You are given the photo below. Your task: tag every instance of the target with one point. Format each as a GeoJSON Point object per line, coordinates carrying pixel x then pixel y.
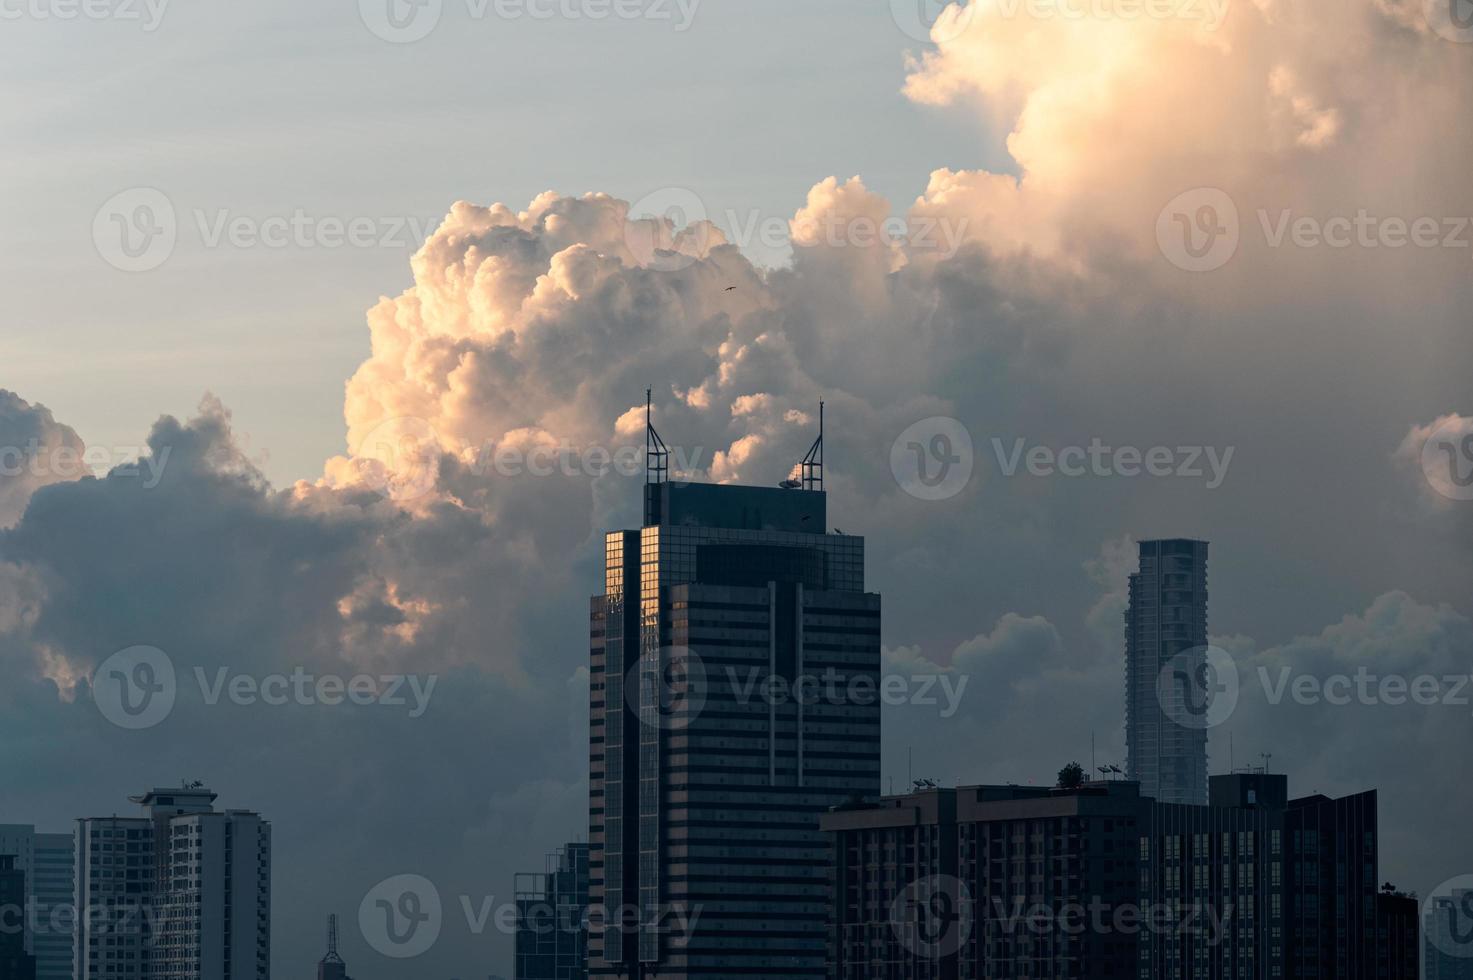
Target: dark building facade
{"type": "Point", "coordinates": [727, 646]}
{"type": "Point", "coordinates": [1099, 883]}
{"type": "Point", "coordinates": [1167, 617]}
{"type": "Point", "coordinates": [15, 962]}
{"type": "Point", "coordinates": [551, 923]}
{"type": "Point", "coordinates": [986, 881]}
{"type": "Point", "coordinates": [1449, 935]}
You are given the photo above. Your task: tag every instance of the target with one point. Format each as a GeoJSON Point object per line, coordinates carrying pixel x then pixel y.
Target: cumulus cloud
{"type": "Point", "coordinates": [458, 534]}
{"type": "Point", "coordinates": [35, 450]}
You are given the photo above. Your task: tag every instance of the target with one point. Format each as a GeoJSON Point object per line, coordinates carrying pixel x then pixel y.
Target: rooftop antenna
{"type": "Point", "coordinates": [332, 940]}
{"type": "Point", "coordinates": [1265, 756]}
{"type": "Point", "coordinates": [812, 465]}
{"type": "Point", "coordinates": [656, 453]}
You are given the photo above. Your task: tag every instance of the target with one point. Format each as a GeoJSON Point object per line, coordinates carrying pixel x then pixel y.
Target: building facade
{"type": "Point", "coordinates": [46, 862]}
{"type": "Point", "coordinates": [1448, 935]}
{"type": "Point", "coordinates": [552, 918]}
{"type": "Point", "coordinates": [1099, 883]}
{"type": "Point", "coordinates": [182, 892]}
{"type": "Point", "coordinates": [15, 962]}
{"type": "Point", "coordinates": [735, 662]}
{"type": "Point", "coordinates": [1167, 618]}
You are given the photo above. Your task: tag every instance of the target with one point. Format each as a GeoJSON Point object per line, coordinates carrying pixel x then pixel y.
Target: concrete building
{"type": "Point", "coordinates": [728, 642]}
{"type": "Point", "coordinates": [15, 962]}
{"type": "Point", "coordinates": [1448, 933]}
{"type": "Point", "coordinates": [182, 892]}
{"type": "Point", "coordinates": [46, 862]}
{"type": "Point", "coordinates": [551, 923]}
{"type": "Point", "coordinates": [1167, 618]}
{"type": "Point", "coordinates": [1099, 883]}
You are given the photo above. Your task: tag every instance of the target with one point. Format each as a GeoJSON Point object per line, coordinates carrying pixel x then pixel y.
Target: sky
{"type": "Point", "coordinates": [1067, 277]}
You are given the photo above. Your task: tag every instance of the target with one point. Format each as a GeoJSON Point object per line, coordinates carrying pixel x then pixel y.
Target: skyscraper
{"type": "Point", "coordinates": [551, 924]}
{"type": "Point", "coordinates": [1165, 644]}
{"type": "Point", "coordinates": [727, 644]}
{"type": "Point", "coordinates": [182, 892]}
{"type": "Point", "coordinates": [46, 862]}
{"type": "Point", "coordinates": [15, 962]}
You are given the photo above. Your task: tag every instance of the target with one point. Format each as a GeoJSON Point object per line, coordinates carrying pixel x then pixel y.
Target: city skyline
{"type": "Point", "coordinates": [333, 331]}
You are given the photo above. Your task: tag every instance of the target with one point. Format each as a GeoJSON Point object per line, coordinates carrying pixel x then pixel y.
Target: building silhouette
{"type": "Point", "coordinates": [15, 962]}
{"type": "Point", "coordinates": [1449, 935]}
{"type": "Point", "coordinates": [551, 922]}
{"type": "Point", "coordinates": [726, 643]}
{"type": "Point", "coordinates": [46, 862]}
{"type": "Point", "coordinates": [1166, 619]}
{"type": "Point", "coordinates": [331, 966]}
{"type": "Point", "coordinates": [182, 892]}
{"type": "Point", "coordinates": [1098, 882]}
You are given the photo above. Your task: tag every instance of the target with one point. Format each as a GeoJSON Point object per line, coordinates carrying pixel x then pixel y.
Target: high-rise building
{"type": "Point", "coordinates": [735, 661]}
{"type": "Point", "coordinates": [985, 881]}
{"type": "Point", "coordinates": [1448, 933]}
{"type": "Point", "coordinates": [1398, 935]}
{"type": "Point", "coordinates": [1096, 882]}
{"type": "Point", "coordinates": [182, 892]}
{"type": "Point", "coordinates": [46, 862]}
{"type": "Point", "coordinates": [1165, 651]}
{"type": "Point", "coordinates": [552, 914]}
{"type": "Point", "coordinates": [331, 966]}
{"type": "Point", "coordinates": [15, 962]}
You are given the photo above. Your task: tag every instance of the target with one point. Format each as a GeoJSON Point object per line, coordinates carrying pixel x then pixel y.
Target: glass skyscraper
{"type": "Point", "coordinates": [1166, 743]}
{"type": "Point", "coordinates": [734, 674]}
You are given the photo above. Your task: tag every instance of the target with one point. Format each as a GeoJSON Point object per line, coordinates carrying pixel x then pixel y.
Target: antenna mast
{"type": "Point", "coordinates": [812, 465]}
{"type": "Point", "coordinates": [656, 453]}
